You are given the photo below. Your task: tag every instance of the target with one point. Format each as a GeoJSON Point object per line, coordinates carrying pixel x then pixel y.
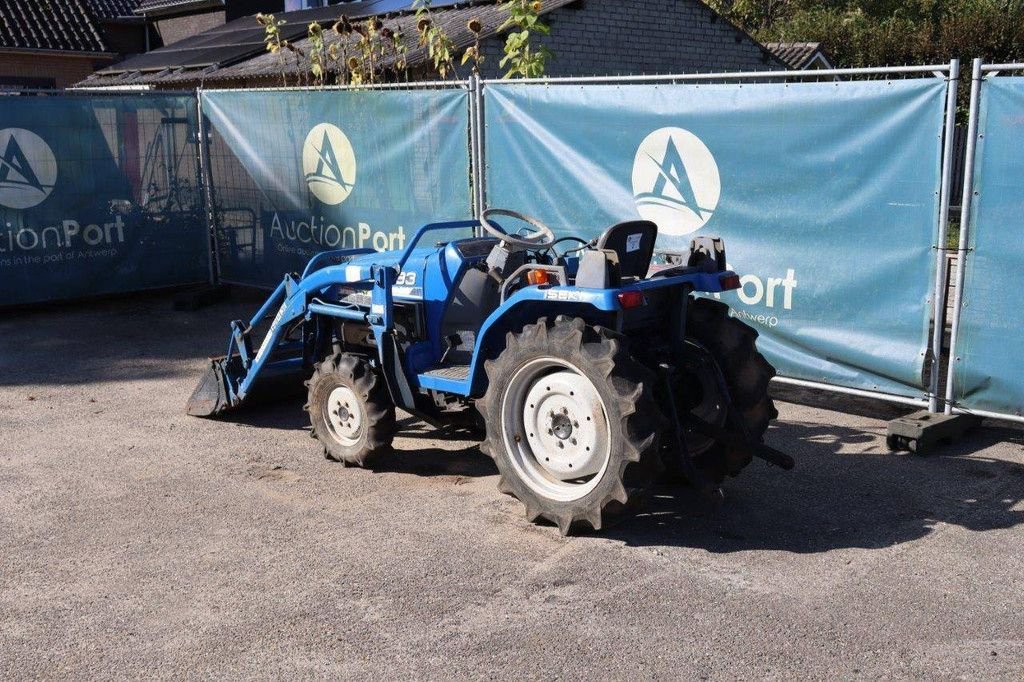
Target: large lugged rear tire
{"type": "Point", "coordinates": [571, 423]}
{"type": "Point", "coordinates": [746, 374]}
{"type": "Point", "coordinates": [350, 410]}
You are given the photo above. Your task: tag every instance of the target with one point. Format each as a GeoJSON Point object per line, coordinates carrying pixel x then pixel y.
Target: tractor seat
{"type": "Point", "coordinates": [633, 242]}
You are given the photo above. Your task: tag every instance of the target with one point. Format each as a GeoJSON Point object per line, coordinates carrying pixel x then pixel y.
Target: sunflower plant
{"type": "Point", "coordinates": [523, 58]}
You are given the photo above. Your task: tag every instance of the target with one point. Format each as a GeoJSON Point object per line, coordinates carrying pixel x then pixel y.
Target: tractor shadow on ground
{"type": "Point", "coordinates": [465, 459]}
{"type": "Point", "coordinates": [467, 462]}
{"type": "Point", "coordinates": [278, 414]}
{"type": "Point", "coordinates": [847, 491]}
{"type": "Point", "coordinates": [862, 497]}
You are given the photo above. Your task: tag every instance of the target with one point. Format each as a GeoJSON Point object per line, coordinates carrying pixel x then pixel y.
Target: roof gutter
{"type": "Point", "coordinates": [59, 53]}
{"type": "Point", "coordinates": [173, 7]}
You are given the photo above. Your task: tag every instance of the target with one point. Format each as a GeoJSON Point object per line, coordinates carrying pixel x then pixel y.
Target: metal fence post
{"type": "Point", "coordinates": [965, 214]}
{"type": "Point", "coordinates": [474, 161]}
{"type": "Point", "coordinates": [481, 147]}
{"type": "Point", "coordinates": [938, 295]}
{"type": "Point", "coordinates": [207, 180]}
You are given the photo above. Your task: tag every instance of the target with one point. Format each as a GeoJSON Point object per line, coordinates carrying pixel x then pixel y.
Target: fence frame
{"type": "Point", "coordinates": [475, 86]}
{"type": "Point", "coordinates": [98, 92]}
{"type": "Point", "coordinates": [949, 72]}
{"type": "Point", "coordinates": [474, 147]}
{"type": "Point", "coordinates": [203, 145]}
{"type": "Point", "coordinates": [979, 73]}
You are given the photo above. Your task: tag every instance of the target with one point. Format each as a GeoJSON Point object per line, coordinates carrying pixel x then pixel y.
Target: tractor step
{"type": "Point", "coordinates": [456, 372]}
{"type": "Point", "coordinates": [919, 431]}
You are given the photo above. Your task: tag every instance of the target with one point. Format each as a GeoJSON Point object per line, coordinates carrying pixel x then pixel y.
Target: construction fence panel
{"type": "Point", "coordinates": [99, 194]}
{"type": "Point", "coordinates": [826, 193]}
{"type": "Point", "coordinates": [987, 355]}
{"type": "Point", "coordinates": [297, 172]}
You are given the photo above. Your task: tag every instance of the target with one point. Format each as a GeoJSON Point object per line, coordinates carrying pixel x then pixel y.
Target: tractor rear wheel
{"type": "Point", "coordinates": [350, 410]}
{"type": "Point", "coordinates": [746, 374]}
{"type": "Point", "coordinates": [571, 422]}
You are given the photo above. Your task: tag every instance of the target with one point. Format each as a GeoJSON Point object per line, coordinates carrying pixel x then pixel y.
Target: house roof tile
{"type": "Point", "coordinates": [113, 9]}
{"type": "Point", "coordinates": [185, 63]}
{"type": "Point", "coordinates": [797, 55]}
{"type": "Point", "coordinates": [68, 25]}
{"type": "Point", "coordinates": [174, 6]}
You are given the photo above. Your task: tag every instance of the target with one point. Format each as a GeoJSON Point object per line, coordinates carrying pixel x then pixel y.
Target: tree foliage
{"type": "Point", "coordinates": [887, 32]}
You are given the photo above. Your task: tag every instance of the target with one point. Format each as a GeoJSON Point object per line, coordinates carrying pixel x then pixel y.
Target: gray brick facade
{"type": "Point", "coordinates": [613, 37]}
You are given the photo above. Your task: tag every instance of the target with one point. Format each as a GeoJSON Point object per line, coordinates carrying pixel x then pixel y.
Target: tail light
{"type": "Point", "coordinates": [631, 299]}
{"type": "Point", "coordinates": [728, 282]}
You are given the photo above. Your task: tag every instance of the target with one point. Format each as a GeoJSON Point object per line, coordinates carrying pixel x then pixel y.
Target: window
{"type": "Point", "coordinates": [292, 5]}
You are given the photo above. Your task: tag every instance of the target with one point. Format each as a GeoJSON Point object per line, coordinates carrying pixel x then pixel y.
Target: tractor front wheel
{"type": "Point", "coordinates": [571, 422]}
{"type": "Point", "coordinates": [350, 410]}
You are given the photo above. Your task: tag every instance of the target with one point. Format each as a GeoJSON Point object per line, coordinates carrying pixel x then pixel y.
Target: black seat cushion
{"type": "Point", "coordinates": [633, 241]}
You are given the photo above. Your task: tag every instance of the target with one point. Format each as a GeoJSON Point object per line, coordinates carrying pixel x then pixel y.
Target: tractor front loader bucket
{"type": "Point", "coordinates": [227, 383]}
{"type": "Point", "coordinates": [274, 371]}
{"type": "Point", "coordinates": [213, 394]}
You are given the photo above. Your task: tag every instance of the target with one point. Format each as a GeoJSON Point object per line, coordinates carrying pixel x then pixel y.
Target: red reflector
{"type": "Point", "coordinates": [631, 299]}
{"type": "Point", "coordinates": [728, 282]}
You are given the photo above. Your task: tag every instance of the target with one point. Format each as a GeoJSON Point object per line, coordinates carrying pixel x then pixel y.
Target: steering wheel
{"type": "Point", "coordinates": [542, 237]}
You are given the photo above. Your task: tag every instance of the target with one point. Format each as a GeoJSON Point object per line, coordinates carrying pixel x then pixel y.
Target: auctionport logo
{"type": "Point", "coordinates": [28, 169]}
{"type": "Point", "coordinates": [675, 181]}
{"type": "Point", "coordinates": [329, 164]}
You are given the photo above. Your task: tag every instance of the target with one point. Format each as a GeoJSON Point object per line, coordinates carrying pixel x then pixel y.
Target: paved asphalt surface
{"type": "Point", "coordinates": [136, 541]}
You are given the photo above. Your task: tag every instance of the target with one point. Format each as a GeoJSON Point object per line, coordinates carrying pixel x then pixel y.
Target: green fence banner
{"type": "Point", "coordinates": [988, 374]}
{"type": "Point", "coordinates": [99, 195]}
{"type": "Point", "coordinates": [827, 195]}
{"type": "Point", "coordinates": [299, 172]}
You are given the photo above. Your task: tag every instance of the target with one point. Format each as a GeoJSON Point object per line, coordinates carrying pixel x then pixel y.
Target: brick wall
{"type": "Point", "coordinates": [35, 69]}
{"type": "Point", "coordinates": [612, 37]}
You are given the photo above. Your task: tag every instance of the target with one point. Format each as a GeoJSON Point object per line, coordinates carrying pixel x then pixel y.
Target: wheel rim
{"type": "Point", "coordinates": [343, 415]}
{"type": "Point", "coordinates": [555, 429]}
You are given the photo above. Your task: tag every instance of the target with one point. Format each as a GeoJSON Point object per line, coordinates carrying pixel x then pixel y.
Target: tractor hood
{"type": "Point", "coordinates": [358, 267]}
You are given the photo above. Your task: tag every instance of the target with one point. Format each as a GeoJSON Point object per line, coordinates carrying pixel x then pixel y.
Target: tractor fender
{"type": "Point", "coordinates": [526, 307]}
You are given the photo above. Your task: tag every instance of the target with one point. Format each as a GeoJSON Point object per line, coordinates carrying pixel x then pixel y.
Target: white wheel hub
{"type": "Point", "coordinates": [561, 415]}
{"type": "Point", "coordinates": [555, 427]}
{"type": "Point", "coordinates": [344, 416]}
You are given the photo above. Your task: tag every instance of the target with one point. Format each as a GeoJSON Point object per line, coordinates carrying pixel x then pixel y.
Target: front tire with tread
{"type": "Point", "coordinates": [376, 412]}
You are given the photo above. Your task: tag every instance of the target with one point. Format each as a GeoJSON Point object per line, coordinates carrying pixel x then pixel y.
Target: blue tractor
{"type": "Point", "coordinates": [587, 370]}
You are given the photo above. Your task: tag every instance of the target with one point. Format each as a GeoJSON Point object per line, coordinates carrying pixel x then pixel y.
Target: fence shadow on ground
{"type": "Point", "coordinates": [122, 338]}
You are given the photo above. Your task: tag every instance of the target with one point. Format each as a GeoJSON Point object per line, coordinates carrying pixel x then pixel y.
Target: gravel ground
{"type": "Point", "coordinates": [136, 541]}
